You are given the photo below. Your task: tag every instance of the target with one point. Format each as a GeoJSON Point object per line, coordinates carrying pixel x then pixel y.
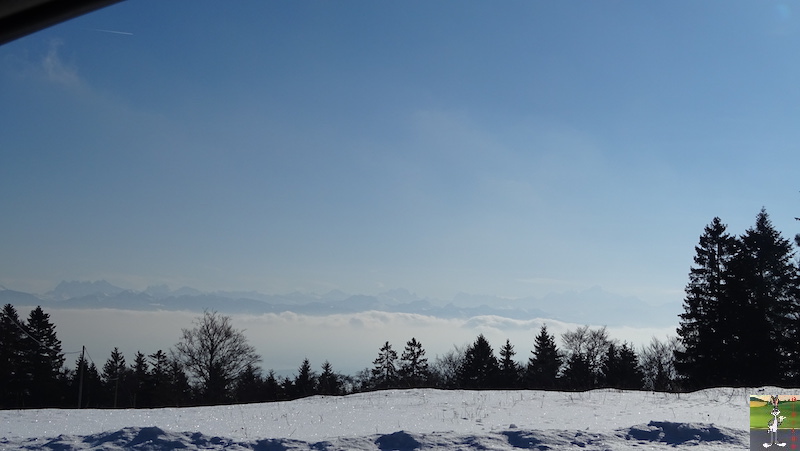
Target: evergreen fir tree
{"type": "Point", "coordinates": [544, 364]}
{"type": "Point", "coordinates": [305, 384]}
{"type": "Point", "coordinates": [113, 377]}
{"type": "Point", "coordinates": [762, 286]}
{"type": "Point", "coordinates": [287, 387]}
{"type": "Point", "coordinates": [578, 374]}
{"type": "Point", "coordinates": [180, 389]}
{"type": "Point", "coordinates": [414, 370]}
{"type": "Point", "coordinates": [43, 360]}
{"type": "Point", "coordinates": [479, 368]}
{"type": "Point", "coordinates": [137, 381]}
{"type": "Point", "coordinates": [88, 378]}
{"type": "Point", "coordinates": [12, 351]}
{"type": "Point", "coordinates": [158, 381]}
{"type": "Point", "coordinates": [384, 371]}
{"type": "Point", "coordinates": [272, 388]}
{"type": "Point", "coordinates": [330, 383]}
{"type": "Point", "coordinates": [509, 370]}
{"type": "Point", "coordinates": [621, 368]}
{"type": "Point", "coordinates": [64, 399]}
{"type": "Point", "coordinates": [92, 387]}
{"type": "Point", "coordinates": [249, 386]}
{"type": "Point", "coordinates": [706, 324]}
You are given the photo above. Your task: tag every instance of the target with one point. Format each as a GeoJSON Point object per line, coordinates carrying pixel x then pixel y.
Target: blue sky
{"type": "Point", "coordinates": [511, 149]}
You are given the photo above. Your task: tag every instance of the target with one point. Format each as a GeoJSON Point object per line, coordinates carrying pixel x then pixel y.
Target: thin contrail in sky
{"type": "Point", "coordinates": [113, 31]}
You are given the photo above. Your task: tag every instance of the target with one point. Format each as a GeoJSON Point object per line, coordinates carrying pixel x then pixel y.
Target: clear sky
{"type": "Point", "coordinates": [514, 149]}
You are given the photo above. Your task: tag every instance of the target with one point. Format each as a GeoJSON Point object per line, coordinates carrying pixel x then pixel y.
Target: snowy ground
{"type": "Point", "coordinates": [714, 419]}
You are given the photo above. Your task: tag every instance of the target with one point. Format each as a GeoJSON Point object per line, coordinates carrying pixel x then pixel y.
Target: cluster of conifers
{"type": "Point", "coordinates": [741, 323]}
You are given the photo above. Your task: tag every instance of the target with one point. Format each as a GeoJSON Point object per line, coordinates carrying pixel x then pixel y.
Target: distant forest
{"type": "Point", "coordinates": [740, 326]}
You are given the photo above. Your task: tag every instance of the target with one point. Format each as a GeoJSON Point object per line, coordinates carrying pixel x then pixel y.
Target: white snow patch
{"type": "Point", "coordinates": [713, 419]}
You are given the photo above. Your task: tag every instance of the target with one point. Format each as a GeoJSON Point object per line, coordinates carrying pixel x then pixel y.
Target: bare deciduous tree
{"type": "Point", "coordinates": [590, 344]}
{"type": "Point", "coordinates": [658, 364]}
{"type": "Point", "coordinates": [214, 354]}
{"type": "Point", "coordinates": [445, 367]}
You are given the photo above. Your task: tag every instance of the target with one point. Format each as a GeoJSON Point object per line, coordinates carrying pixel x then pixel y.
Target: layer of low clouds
{"type": "Point", "coordinates": [350, 342]}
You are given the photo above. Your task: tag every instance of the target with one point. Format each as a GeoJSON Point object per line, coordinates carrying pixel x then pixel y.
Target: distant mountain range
{"type": "Point", "coordinates": [593, 306]}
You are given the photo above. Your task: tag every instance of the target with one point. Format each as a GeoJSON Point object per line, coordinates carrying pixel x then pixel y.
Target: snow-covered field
{"type": "Point", "coordinates": [714, 419]}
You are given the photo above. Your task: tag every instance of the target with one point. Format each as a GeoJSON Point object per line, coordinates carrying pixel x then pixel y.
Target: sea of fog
{"type": "Point", "coordinates": [349, 341]}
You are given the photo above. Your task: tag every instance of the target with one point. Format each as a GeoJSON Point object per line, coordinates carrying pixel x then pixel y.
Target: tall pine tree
{"type": "Point", "coordinates": [578, 374]}
{"type": "Point", "coordinates": [12, 351]}
{"type": "Point", "coordinates": [621, 368]}
{"type": "Point", "coordinates": [762, 286]}
{"type": "Point", "coordinates": [181, 393]}
{"type": "Point", "coordinates": [305, 384]}
{"type": "Point", "coordinates": [544, 363]}
{"type": "Point", "coordinates": [741, 307]}
{"type": "Point", "coordinates": [705, 326]}
{"type": "Point", "coordinates": [414, 371]}
{"type": "Point", "coordinates": [137, 379]}
{"type": "Point", "coordinates": [272, 387]}
{"type": "Point", "coordinates": [248, 386]}
{"type": "Point", "coordinates": [480, 368]}
{"type": "Point", "coordinates": [384, 371]}
{"type": "Point", "coordinates": [113, 376]}
{"type": "Point", "coordinates": [159, 381]}
{"type": "Point", "coordinates": [509, 369]}
{"type": "Point", "coordinates": [43, 361]}
{"type": "Point", "coordinates": [85, 383]}
{"type": "Point", "coordinates": [330, 383]}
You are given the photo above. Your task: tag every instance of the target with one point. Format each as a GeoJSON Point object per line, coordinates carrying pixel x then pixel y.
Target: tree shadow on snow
{"type": "Point", "coordinates": [681, 433]}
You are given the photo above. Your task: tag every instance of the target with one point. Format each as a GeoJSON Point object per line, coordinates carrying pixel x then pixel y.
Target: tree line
{"type": "Point", "coordinates": [212, 363]}
{"type": "Point", "coordinates": [589, 359]}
